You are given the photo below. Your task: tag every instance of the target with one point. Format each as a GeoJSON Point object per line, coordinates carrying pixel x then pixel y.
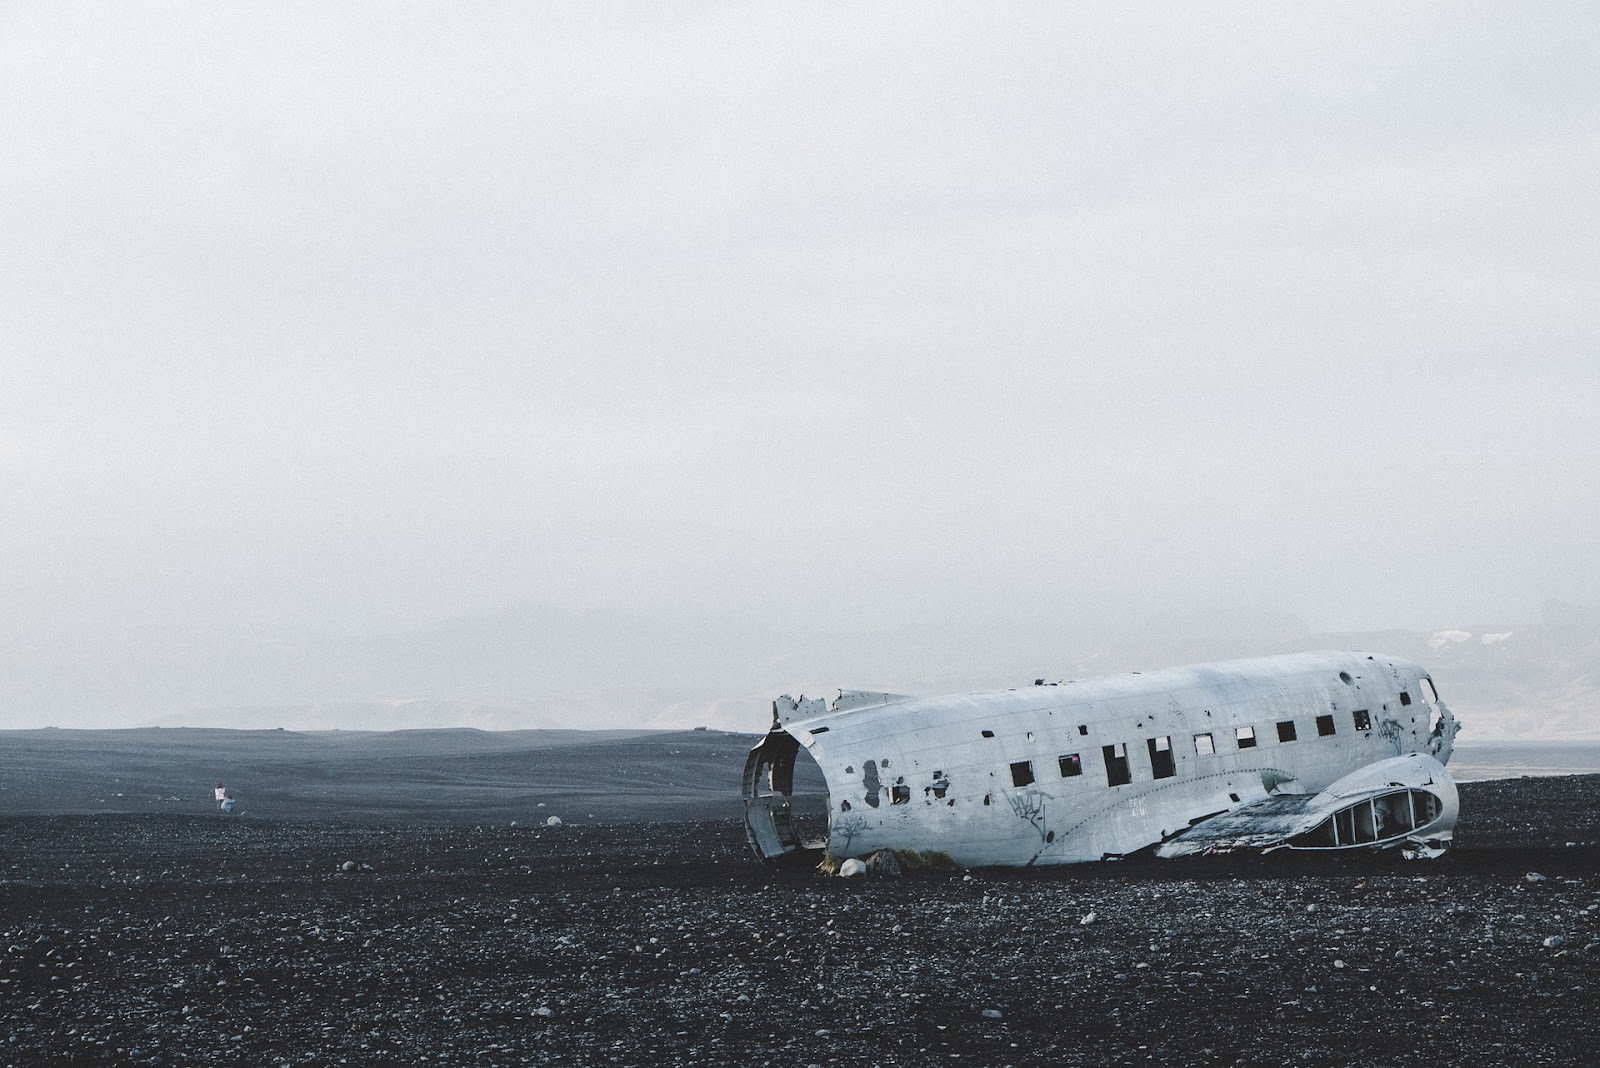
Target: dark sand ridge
{"type": "Point", "coordinates": [401, 776]}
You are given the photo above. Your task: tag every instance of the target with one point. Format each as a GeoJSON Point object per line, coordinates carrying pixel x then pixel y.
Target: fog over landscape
{"type": "Point", "coordinates": [609, 366]}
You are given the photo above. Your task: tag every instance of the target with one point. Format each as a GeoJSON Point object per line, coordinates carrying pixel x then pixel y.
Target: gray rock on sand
{"type": "Point", "coordinates": [884, 864]}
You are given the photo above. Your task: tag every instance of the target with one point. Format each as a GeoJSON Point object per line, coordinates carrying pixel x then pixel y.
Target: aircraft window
{"type": "Point", "coordinates": [1246, 737]}
{"type": "Point", "coordinates": [1161, 764]}
{"type": "Point", "coordinates": [1344, 826]}
{"type": "Point", "coordinates": [1324, 726]}
{"type": "Point", "coordinates": [988, 734]}
{"type": "Point", "coordinates": [1203, 745]}
{"type": "Point", "coordinates": [1286, 731]}
{"type": "Point", "coordinates": [1117, 771]}
{"type": "Point", "coordinates": [1424, 808]}
{"type": "Point", "coordinates": [1071, 765]}
{"type": "Point", "coordinates": [1405, 698]}
{"type": "Point", "coordinates": [1392, 814]}
{"type": "Point", "coordinates": [1362, 718]}
{"type": "Point", "coordinates": [1344, 677]}
{"type": "Point", "coordinates": [1022, 773]}
{"type": "Point", "coordinates": [1429, 694]}
{"type": "Point", "coordinates": [1083, 728]}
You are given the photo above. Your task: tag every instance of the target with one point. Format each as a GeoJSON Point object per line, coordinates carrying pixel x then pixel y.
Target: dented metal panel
{"type": "Point", "coordinates": [1034, 775]}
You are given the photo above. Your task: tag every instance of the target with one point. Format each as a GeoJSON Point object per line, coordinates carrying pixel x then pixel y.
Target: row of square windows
{"type": "Point", "coordinates": [1162, 765]}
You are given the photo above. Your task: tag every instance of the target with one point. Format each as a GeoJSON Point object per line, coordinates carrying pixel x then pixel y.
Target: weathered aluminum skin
{"type": "Point", "coordinates": [935, 773]}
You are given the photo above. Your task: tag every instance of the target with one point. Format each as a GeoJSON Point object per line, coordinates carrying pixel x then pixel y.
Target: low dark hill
{"type": "Point", "coordinates": [394, 776]}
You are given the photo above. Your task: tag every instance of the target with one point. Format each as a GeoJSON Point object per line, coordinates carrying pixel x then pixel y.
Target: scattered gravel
{"type": "Point", "coordinates": [179, 940]}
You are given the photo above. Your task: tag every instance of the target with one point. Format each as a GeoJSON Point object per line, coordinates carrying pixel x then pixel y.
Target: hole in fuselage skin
{"type": "Point", "coordinates": [870, 783]}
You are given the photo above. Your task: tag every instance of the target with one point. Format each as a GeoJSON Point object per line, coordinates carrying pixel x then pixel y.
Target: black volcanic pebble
{"type": "Point", "coordinates": [191, 941]}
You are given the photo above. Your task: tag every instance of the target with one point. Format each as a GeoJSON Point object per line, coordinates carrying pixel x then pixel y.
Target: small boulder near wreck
{"type": "Point", "coordinates": [884, 864]}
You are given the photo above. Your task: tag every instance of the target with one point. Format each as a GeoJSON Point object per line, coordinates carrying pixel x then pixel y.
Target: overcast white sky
{"type": "Point", "coordinates": [817, 318]}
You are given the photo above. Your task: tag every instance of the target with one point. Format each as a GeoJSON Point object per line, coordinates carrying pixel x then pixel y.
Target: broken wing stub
{"type": "Point", "coordinates": [1408, 802]}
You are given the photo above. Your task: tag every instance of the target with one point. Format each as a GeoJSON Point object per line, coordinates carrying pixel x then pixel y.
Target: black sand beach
{"type": "Point", "coordinates": [184, 938]}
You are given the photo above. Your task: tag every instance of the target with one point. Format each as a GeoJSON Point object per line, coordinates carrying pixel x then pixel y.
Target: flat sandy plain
{"type": "Point", "coordinates": [145, 931]}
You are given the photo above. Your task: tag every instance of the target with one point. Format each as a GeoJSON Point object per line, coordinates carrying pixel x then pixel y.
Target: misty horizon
{"type": "Point", "coordinates": [645, 358]}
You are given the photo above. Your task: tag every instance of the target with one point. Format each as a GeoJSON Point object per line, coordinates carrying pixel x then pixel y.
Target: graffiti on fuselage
{"type": "Point", "coordinates": [1030, 807]}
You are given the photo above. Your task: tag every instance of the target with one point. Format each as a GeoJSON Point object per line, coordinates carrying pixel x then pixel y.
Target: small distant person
{"type": "Point", "coordinates": [224, 799]}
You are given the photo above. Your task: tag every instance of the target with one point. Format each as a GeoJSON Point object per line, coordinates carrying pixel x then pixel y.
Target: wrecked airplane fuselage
{"type": "Point", "coordinates": [1305, 751]}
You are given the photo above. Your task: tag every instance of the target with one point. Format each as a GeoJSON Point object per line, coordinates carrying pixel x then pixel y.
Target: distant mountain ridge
{"type": "Point", "coordinates": [538, 666]}
{"type": "Point", "coordinates": [1536, 681]}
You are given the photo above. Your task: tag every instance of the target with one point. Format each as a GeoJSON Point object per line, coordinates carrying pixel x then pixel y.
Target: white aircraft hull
{"type": "Point", "coordinates": [1291, 751]}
